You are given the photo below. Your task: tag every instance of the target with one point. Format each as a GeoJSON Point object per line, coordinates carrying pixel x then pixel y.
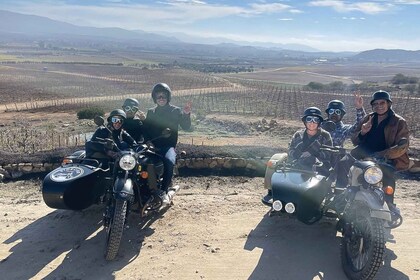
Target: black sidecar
{"type": "Point", "coordinates": [74, 186]}
{"type": "Point", "coordinates": [305, 190]}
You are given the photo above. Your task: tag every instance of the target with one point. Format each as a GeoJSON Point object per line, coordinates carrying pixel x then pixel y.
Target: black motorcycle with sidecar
{"type": "Point", "coordinates": [130, 182]}
{"type": "Point", "coordinates": [362, 214]}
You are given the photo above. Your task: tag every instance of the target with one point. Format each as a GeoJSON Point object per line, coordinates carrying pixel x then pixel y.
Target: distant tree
{"type": "Point", "coordinates": [399, 79]}
{"type": "Point", "coordinates": [90, 113]}
{"type": "Point", "coordinates": [315, 86]}
{"type": "Point", "coordinates": [413, 80]}
{"type": "Point", "coordinates": [338, 85]}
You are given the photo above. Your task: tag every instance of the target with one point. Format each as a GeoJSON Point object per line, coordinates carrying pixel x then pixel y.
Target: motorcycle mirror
{"type": "Point", "coordinates": [99, 121]}
{"type": "Point", "coordinates": [166, 133]}
{"type": "Point", "coordinates": [329, 126]}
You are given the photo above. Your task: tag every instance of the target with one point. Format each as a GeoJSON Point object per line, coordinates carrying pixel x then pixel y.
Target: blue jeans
{"type": "Point", "coordinates": [168, 166]}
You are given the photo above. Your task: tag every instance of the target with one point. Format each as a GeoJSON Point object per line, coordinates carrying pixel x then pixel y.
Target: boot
{"type": "Point", "coordinates": [268, 198]}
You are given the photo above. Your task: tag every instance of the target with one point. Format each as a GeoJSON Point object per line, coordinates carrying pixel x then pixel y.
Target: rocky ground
{"type": "Point", "coordinates": [216, 229]}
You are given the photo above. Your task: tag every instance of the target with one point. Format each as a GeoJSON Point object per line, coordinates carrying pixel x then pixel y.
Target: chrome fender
{"type": "Point", "coordinates": [377, 210]}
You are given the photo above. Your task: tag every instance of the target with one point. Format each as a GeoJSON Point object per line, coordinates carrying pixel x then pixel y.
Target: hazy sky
{"type": "Point", "coordinates": [329, 25]}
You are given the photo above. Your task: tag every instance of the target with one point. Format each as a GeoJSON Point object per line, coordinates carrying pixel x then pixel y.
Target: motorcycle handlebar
{"type": "Point", "coordinates": [332, 148]}
{"type": "Point", "coordinates": [108, 143]}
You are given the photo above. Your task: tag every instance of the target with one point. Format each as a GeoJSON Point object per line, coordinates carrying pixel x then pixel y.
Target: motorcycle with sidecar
{"type": "Point", "coordinates": [130, 182]}
{"type": "Point", "coordinates": [363, 216]}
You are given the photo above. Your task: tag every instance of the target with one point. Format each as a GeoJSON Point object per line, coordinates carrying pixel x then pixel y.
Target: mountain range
{"type": "Point", "coordinates": [16, 26]}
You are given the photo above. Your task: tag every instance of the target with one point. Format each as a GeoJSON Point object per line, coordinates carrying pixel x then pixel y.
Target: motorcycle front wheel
{"type": "Point", "coordinates": [115, 230]}
{"type": "Point", "coordinates": [362, 248]}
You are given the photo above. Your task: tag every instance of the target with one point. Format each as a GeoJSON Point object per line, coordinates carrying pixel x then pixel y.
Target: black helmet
{"type": "Point", "coordinates": [381, 94]}
{"type": "Point", "coordinates": [161, 87]}
{"type": "Point", "coordinates": [312, 111]}
{"type": "Point", "coordinates": [117, 112]}
{"type": "Point", "coordinates": [336, 104]}
{"type": "Point", "coordinates": [131, 102]}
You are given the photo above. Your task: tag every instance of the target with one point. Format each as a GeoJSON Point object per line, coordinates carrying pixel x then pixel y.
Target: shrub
{"type": "Point", "coordinates": [90, 113]}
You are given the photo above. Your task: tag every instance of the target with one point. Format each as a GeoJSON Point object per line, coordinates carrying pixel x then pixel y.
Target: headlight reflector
{"type": "Point", "coordinates": [373, 175]}
{"type": "Point", "coordinates": [277, 205]}
{"type": "Point", "coordinates": [127, 162]}
{"type": "Point", "coordinates": [290, 208]}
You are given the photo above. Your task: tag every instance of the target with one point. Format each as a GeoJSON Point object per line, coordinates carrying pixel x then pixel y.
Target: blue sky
{"type": "Point", "coordinates": [329, 25]}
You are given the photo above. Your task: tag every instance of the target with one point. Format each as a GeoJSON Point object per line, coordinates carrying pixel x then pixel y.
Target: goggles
{"type": "Point", "coordinates": [116, 120]}
{"type": "Point", "coordinates": [334, 111]}
{"type": "Point", "coordinates": [313, 119]}
{"type": "Point", "coordinates": [130, 109]}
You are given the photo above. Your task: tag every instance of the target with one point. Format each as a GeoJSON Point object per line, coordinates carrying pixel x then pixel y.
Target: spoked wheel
{"type": "Point", "coordinates": [115, 230]}
{"type": "Point", "coordinates": [362, 247]}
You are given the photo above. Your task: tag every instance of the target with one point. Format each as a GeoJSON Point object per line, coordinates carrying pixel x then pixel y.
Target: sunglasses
{"type": "Point", "coordinates": [334, 111]}
{"type": "Point", "coordinates": [116, 120]}
{"type": "Point", "coordinates": [378, 103]}
{"type": "Point", "coordinates": [162, 96]}
{"type": "Point", "coordinates": [131, 108]}
{"type": "Point", "coordinates": [313, 119]}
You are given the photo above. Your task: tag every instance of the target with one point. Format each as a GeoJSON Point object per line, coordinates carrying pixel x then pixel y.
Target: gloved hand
{"type": "Point", "coordinates": [112, 154]}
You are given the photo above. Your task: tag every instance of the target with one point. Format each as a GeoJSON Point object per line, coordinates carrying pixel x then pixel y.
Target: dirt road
{"type": "Point", "coordinates": [217, 229]}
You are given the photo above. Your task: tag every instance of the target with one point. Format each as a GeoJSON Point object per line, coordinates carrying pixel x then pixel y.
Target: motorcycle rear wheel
{"type": "Point", "coordinates": [115, 230]}
{"type": "Point", "coordinates": [362, 250]}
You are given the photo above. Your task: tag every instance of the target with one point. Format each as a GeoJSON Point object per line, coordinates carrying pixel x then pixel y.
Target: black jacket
{"type": "Point", "coordinates": [121, 138]}
{"type": "Point", "coordinates": [159, 118]}
{"type": "Point", "coordinates": [135, 128]}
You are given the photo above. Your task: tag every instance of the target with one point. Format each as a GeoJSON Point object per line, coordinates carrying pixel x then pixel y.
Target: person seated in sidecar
{"type": "Point", "coordinates": [306, 143]}
{"type": "Point", "coordinates": [379, 135]}
{"type": "Point", "coordinates": [113, 130]}
{"type": "Point", "coordinates": [305, 147]}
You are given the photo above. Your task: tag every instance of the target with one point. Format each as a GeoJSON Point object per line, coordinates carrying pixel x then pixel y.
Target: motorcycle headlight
{"type": "Point", "coordinates": [127, 162]}
{"type": "Point", "coordinates": [373, 175]}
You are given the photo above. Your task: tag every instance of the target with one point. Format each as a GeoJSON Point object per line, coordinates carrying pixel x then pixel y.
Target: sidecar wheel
{"type": "Point", "coordinates": [115, 230]}
{"type": "Point", "coordinates": [362, 248]}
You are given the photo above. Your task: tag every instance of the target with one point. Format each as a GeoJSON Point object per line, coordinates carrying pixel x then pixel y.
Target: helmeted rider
{"type": "Point", "coordinates": [113, 130]}
{"type": "Point", "coordinates": [165, 115]}
{"type": "Point", "coordinates": [133, 123]}
{"type": "Point", "coordinates": [336, 111]}
{"type": "Point", "coordinates": [306, 142]}
{"type": "Point", "coordinates": [378, 135]}
{"type": "Point", "coordinates": [305, 145]}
